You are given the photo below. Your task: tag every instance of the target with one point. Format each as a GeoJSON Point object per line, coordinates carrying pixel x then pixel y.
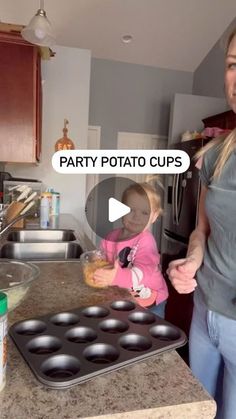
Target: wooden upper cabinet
{"type": "Point", "coordinates": [20, 100]}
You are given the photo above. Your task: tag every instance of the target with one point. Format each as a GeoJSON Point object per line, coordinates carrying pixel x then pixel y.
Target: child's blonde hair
{"type": "Point", "coordinates": [225, 143]}
{"type": "Point", "coordinates": [145, 189]}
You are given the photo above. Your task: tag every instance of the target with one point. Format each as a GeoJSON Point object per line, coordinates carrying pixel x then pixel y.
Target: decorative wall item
{"type": "Point", "coordinates": [64, 143]}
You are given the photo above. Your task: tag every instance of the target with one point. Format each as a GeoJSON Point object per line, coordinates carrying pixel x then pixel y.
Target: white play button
{"type": "Point", "coordinates": [104, 205]}
{"type": "Point", "coordinates": [116, 209]}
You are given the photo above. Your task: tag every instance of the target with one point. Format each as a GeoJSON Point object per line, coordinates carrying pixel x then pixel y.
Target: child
{"type": "Point", "coordinates": [133, 253]}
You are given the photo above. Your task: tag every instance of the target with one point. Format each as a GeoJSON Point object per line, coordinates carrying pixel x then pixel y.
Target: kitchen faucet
{"type": "Point", "coordinates": [11, 223]}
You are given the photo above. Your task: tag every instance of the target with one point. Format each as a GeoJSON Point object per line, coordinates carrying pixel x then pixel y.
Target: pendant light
{"type": "Point", "coordinates": [39, 30]}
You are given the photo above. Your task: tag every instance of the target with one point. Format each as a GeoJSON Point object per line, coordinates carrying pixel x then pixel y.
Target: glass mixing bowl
{"type": "Point", "coordinates": [90, 261]}
{"type": "Point", "coordinates": [15, 280]}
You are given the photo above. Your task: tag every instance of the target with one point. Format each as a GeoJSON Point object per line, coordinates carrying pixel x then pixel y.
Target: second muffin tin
{"type": "Point", "coordinates": [68, 348]}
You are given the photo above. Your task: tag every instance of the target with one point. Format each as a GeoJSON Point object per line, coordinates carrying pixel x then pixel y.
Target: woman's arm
{"type": "Point", "coordinates": [199, 235]}
{"type": "Point", "coordinates": [182, 271]}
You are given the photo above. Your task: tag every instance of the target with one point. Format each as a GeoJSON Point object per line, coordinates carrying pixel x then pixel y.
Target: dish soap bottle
{"type": "Point", "coordinates": [3, 339]}
{"type": "Point", "coordinates": [44, 210]}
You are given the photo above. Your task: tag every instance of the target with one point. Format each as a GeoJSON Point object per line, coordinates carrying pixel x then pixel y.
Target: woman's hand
{"type": "Point", "coordinates": [105, 276]}
{"type": "Point", "coordinates": [181, 273]}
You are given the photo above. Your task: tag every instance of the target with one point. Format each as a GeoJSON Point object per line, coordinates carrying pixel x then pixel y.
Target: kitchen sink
{"type": "Point", "coordinates": [41, 251]}
{"type": "Point", "coordinates": [38, 236]}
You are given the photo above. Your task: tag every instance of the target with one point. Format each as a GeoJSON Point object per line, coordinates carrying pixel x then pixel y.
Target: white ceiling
{"type": "Point", "coordinates": [175, 34]}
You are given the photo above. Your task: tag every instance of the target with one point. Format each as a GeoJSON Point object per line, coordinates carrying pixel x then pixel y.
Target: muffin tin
{"type": "Point", "coordinates": [68, 348]}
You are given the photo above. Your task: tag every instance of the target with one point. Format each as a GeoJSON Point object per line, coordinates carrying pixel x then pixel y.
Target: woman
{"type": "Point", "coordinates": [212, 255]}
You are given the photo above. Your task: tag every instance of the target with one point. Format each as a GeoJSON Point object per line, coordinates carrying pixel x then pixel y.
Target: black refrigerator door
{"type": "Point", "coordinates": [182, 196]}
{"type": "Point", "coordinates": [180, 216]}
{"type": "Point", "coordinates": [175, 248]}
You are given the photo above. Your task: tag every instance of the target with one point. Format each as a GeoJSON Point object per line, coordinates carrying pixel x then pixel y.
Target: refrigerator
{"type": "Point", "coordinates": [181, 203]}
{"type": "Point", "coordinates": [181, 200]}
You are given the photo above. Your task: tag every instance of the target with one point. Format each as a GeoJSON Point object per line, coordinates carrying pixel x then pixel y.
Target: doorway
{"type": "Point", "coordinates": [131, 140]}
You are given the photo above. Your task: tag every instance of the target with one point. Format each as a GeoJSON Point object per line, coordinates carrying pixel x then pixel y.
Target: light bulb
{"type": "Point", "coordinates": [39, 33]}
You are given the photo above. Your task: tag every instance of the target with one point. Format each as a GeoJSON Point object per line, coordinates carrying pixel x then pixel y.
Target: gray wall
{"type": "Point", "coordinates": [209, 76]}
{"type": "Point", "coordinates": [132, 98]}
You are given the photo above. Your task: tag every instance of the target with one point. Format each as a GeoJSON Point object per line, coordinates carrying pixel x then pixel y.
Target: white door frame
{"type": "Point", "coordinates": [93, 143]}
{"type": "Point", "coordinates": [134, 140]}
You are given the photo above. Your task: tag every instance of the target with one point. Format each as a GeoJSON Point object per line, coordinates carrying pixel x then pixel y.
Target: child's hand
{"type": "Point", "coordinates": [105, 276]}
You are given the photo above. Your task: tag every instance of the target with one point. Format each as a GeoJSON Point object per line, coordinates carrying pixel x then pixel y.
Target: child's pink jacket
{"type": "Point", "coordinates": [143, 272]}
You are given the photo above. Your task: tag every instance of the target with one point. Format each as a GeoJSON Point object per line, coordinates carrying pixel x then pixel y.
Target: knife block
{"type": "Point", "coordinates": [13, 211]}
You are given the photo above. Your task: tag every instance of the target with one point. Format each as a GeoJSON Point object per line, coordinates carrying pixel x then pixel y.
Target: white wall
{"type": "Point", "coordinates": [187, 112]}
{"type": "Point", "coordinates": [66, 80]}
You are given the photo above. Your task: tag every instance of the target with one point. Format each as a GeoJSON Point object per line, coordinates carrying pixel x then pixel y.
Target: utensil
{"type": "Point", "coordinates": [19, 188]}
{"type": "Point", "coordinates": [30, 197]}
{"type": "Point", "coordinates": [27, 208]}
{"type": "Point", "coordinates": [12, 188]}
{"type": "Point", "coordinates": [24, 194]}
{"type": "Point", "coordinates": [3, 210]}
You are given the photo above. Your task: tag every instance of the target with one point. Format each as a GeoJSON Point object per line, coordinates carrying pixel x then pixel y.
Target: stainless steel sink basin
{"type": "Point", "coordinates": [41, 236]}
{"type": "Point", "coordinates": [41, 251]}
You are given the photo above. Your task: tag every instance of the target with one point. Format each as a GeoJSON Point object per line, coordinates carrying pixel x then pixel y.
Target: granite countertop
{"type": "Point", "coordinates": [159, 387]}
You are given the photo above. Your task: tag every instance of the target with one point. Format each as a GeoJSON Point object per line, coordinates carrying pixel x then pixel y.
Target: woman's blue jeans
{"type": "Point", "coordinates": [212, 346]}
